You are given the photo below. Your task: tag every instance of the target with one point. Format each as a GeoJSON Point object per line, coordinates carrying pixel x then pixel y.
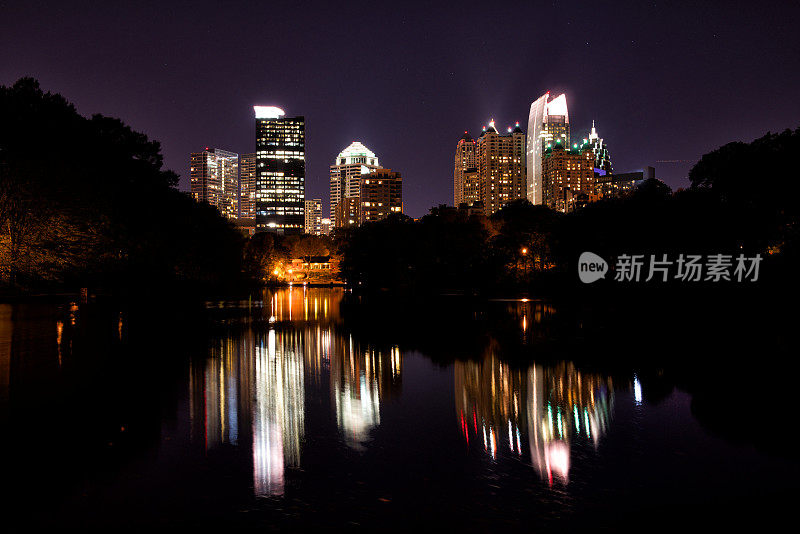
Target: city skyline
{"type": "Point", "coordinates": [641, 71]}
{"type": "Point", "coordinates": [320, 266]}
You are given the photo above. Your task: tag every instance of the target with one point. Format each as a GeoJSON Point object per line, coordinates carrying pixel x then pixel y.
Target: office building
{"type": "Point", "coordinates": [214, 179]}
{"type": "Point", "coordinates": [464, 161]}
{"type": "Point", "coordinates": [617, 185]}
{"type": "Point", "coordinates": [548, 123]}
{"type": "Point", "coordinates": [313, 216]}
{"type": "Point", "coordinates": [602, 158]}
{"type": "Point", "coordinates": [280, 171]}
{"type": "Point", "coordinates": [345, 174]}
{"type": "Point", "coordinates": [348, 212]}
{"type": "Point", "coordinates": [381, 195]}
{"type": "Point", "coordinates": [471, 188]}
{"type": "Point", "coordinates": [247, 186]}
{"type": "Point", "coordinates": [500, 160]}
{"type": "Point", "coordinates": [568, 177]}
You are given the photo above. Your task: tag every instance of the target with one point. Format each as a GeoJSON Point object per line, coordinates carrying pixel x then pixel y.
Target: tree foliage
{"type": "Point", "coordinates": [87, 201]}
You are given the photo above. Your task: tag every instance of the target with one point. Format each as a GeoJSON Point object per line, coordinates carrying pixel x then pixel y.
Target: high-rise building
{"type": "Point", "coordinates": [214, 179]}
{"type": "Point", "coordinates": [548, 122]}
{"type": "Point", "coordinates": [280, 171]}
{"type": "Point", "coordinates": [348, 212]}
{"type": "Point", "coordinates": [471, 188]}
{"type": "Point", "coordinates": [602, 158]}
{"type": "Point", "coordinates": [247, 186]}
{"type": "Point", "coordinates": [464, 160]}
{"type": "Point", "coordinates": [501, 167]}
{"type": "Point", "coordinates": [568, 176]}
{"type": "Point", "coordinates": [351, 163]}
{"type": "Point", "coordinates": [313, 216]}
{"type": "Point", "coordinates": [381, 195]}
{"type": "Point", "coordinates": [556, 121]}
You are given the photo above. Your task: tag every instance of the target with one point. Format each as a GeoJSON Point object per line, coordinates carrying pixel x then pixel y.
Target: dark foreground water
{"type": "Point", "coordinates": [280, 413]}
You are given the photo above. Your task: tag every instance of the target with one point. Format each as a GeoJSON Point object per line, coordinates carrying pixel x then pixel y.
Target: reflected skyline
{"type": "Point", "coordinates": [279, 410]}
{"type": "Point", "coordinates": [548, 406]}
{"type": "Point", "coordinates": [258, 416]}
{"type": "Point", "coordinates": [361, 378]}
{"type": "Point", "coordinates": [565, 406]}
{"type": "Point", "coordinates": [256, 383]}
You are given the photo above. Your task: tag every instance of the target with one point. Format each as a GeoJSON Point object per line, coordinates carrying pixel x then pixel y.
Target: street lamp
{"type": "Point", "coordinates": [525, 262]}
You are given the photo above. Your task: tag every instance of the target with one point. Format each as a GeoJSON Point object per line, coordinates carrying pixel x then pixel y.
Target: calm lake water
{"type": "Point", "coordinates": [278, 412]}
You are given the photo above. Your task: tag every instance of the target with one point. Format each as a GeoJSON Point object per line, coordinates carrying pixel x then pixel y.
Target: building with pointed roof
{"type": "Point", "coordinates": [602, 158]}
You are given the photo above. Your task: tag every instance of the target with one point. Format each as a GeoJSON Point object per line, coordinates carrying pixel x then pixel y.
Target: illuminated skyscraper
{"type": "Point", "coordinates": [548, 122]}
{"type": "Point", "coordinates": [350, 164]}
{"type": "Point", "coordinates": [348, 212]}
{"type": "Point", "coordinates": [247, 186]}
{"type": "Point", "coordinates": [568, 176]}
{"type": "Point", "coordinates": [501, 167]}
{"type": "Point", "coordinates": [214, 179]}
{"type": "Point", "coordinates": [381, 195]}
{"type": "Point", "coordinates": [602, 159]}
{"type": "Point", "coordinates": [464, 160]}
{"type": "Point", "coordinates": [280, 171]}
{"type": "Point", "coordinates": [471, 187]}
{"type": "Point", "coordinates": [313, 216]}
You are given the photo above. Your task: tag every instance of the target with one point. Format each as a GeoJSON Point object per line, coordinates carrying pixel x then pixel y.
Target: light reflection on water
{"type": "Point", "coordinates": [546, 408]}
{"type": "Point", "coordinates": [262, 377]}
{"type": "Point", "coordinates": [287, 401]}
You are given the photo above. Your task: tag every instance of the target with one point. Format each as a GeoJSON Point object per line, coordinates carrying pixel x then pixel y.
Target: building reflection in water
{"type": "Point", "coordinates": [279, 408]}
{"type": "Point", "coordinates": [251, 389]}
{"type": "Point", "coordinates": [549, 407]}
{"type": "Point", "coordinates": [299, 304]}
{"type": "Point", "coordinates": [361, 378]}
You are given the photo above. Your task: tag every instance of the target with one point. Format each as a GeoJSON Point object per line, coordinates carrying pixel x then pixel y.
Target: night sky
{"type": "Point", "coordinates": [664, 81]}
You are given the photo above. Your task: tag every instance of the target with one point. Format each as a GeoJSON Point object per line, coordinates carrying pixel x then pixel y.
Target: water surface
{"type": "Point", "coordinates": [276, 412]}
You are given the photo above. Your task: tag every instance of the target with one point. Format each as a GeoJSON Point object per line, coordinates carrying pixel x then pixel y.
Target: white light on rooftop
{"type": "Point", "coordinates": [268, 112]}
{"type": "Point", "coordinates": [558, 106]}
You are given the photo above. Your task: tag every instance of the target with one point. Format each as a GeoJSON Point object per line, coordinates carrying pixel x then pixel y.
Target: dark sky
{"type": "Point", "coordinates": [664, 81]}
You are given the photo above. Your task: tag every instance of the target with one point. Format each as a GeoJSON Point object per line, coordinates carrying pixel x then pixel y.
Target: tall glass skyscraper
{"type": "Point", "coordinates": [214, 179]}
{"type": "Point", "coordinates": [247, 186]}
{"type": "Point", "coordinates": [548, 122]}
{"type": "Point", "coordinates": [280, 171]}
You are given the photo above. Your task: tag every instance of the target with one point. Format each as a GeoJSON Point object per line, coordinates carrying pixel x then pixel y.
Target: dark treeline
{"type": "Point", "coordinates": [743, 199]}
{"type": "Point", "coordinates": [86, 202]}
